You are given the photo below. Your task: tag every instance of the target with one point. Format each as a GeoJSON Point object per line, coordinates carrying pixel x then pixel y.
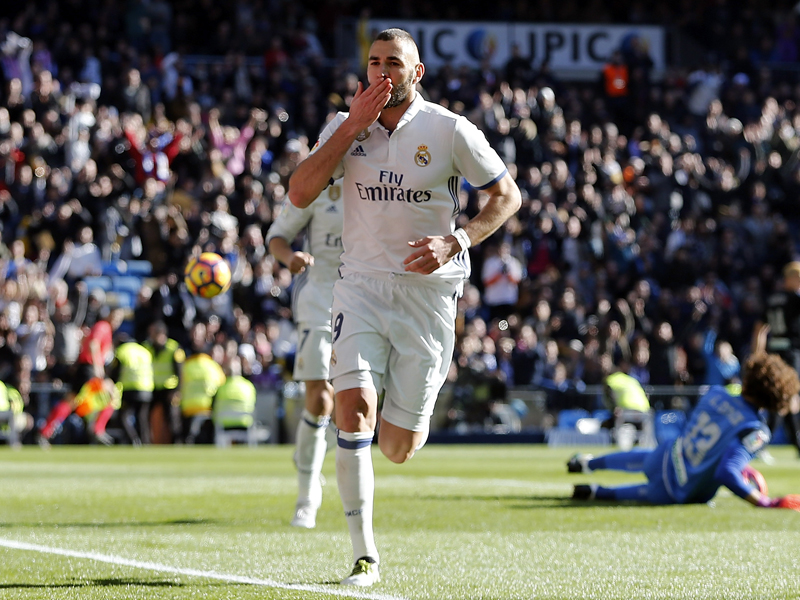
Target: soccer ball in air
{"type": "Point", "coordinates": [207, 275]}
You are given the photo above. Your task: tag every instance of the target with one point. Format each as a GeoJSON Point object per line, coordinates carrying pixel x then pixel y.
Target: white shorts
{"type": "Point", "coordinates": [313, 357]}
{"type": "Point", "coordinates": [392, 335]}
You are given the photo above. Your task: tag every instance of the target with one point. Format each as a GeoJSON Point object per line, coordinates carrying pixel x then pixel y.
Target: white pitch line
{"type": "Point", "coordinates": [150, 566]}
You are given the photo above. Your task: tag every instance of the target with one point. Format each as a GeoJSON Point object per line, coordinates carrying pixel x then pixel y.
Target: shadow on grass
{"type": "Point", "coordinates": [119, 524]}
{"type": "Point", "coordinates": [539, 502]}
{"type": "Point", "coordinates": [482, 498]}
{"type": "Point", "coordinates": [116, 582]}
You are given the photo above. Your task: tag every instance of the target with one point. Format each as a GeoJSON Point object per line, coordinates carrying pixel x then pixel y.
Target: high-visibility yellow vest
{"type": "Point", "coordinates": [136, 367]}
{"type": "Point", "coordinates": [10, 399]}
{"type": "Point", "coordinates": [200, 379]}
{"type": "Point", "coordinates": [164, 375]}
{"type": "Point", "coordinates": [237, 394]}
{"type": "Point", "coordinates": [627, 392]}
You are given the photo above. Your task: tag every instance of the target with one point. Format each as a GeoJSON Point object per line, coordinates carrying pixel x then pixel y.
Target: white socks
{"type": "Point", "coordinates": [309, 456]}
{"type": "Point", "coordinates": [356, 481]}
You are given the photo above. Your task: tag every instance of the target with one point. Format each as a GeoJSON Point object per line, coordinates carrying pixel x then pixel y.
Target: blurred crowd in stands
{"type": "Point", "coordinates": [657, 213]}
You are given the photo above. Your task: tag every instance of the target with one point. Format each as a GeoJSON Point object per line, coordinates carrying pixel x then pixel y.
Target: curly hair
{"type": "Point", "coordinates": [769, 382]}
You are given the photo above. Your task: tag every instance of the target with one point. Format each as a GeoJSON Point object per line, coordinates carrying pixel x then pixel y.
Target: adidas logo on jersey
{"type": "Point", "coordinates": [332, 209]}
{"type": "Point", "coordinates": [358, 151]}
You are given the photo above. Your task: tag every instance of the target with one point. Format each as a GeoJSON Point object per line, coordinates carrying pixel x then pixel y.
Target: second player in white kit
{"type": "Point", "coordinates": [316, 269]}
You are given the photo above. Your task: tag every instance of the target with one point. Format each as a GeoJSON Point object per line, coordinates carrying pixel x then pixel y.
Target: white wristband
{"type": "Point", "coordinates": [462, 238]}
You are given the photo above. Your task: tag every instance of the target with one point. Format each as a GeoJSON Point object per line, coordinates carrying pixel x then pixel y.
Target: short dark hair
{"type": "Point", "coordinates": [395, 33]}
{"type": "Point", "coordinates": [769, 382]}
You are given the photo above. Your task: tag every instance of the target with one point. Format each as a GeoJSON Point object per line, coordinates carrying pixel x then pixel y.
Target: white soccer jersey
{"type": "Point", "coordinates": [403, 186]}
{"type": "Point", "coordinates": [312, 292]}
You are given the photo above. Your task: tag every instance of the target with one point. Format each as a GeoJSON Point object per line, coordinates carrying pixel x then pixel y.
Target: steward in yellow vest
{"type": "Point", "coordinates": [627, 400]}
{"type": "Point", "coordinates": [168, 357]}
{"type": "Point", "coordinates": [132, 369]}
{"type": "Point", "coordinates": [11, 400]}
{"type": "Point", "coordinates": [235, 401]}
{"type": "Point", "coordinates": [200, 379]}
{"type": "Point", "coordinates": [625, 392]}
{"type": "Point", "coordinates": [135, 368]}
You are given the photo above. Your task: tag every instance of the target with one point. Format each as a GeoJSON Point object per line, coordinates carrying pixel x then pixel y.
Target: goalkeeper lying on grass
{"type": "Point", "coordinates": [722, 436]}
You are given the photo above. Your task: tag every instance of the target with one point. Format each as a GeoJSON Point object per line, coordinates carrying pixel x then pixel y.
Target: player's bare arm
{"type": "Point", "coordinates": [434, 251]}
{"type": "Point", "coordinates": [760, 333]}
{"type": "Point", "coordinates": [314, 173]}
{"type": "Point", "coordinates": [295, 261]}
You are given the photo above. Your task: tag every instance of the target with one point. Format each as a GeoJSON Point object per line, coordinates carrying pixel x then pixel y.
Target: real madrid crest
{"type": "Point", "coordinates": [333, 358]}
{"type": "Point", "coordinates": [422, 157]}
{"type": "Point", "coordinates": [335, 192]}
{"type": "Point", "coordinates": [364, 134]}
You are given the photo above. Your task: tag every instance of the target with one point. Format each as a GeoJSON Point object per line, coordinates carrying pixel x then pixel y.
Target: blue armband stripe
{"type": "Point", "coordinates": [493, 181]}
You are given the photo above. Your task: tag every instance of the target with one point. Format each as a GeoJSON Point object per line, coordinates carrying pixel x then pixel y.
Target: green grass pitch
{"type": "Point", "coordinates": [456, 522]}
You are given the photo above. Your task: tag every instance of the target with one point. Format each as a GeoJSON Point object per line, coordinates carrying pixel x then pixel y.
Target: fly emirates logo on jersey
{"type": "Point", "coordinates": [390, 189]}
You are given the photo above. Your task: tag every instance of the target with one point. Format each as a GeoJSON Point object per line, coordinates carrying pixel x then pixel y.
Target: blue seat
{"type": "Point", "coordinates": [141, 268]}
{"type": "Point", "coordinates": [568, 418]}
{"type": "Point", "coordinates": [669, 424]}
{"type": "Point", "coordinates": [602, 414]}
{"type": "Point", "coordinates": [126, 283]}
{"type": "Point", "coordinates": [102, 282]}
{"type": "Point", "coordinates": [114, 267]}
{"type": "Point", "coordinates": [120, 299]}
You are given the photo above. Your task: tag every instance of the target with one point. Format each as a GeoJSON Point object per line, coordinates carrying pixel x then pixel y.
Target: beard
{"type": "Point", "coordinates": [400, 92]}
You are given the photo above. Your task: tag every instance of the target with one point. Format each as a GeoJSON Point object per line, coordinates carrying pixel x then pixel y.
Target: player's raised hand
{"type": "Point", "coordinates": [368, 103]}
{"type": "Point", "coordinates": [299, 262]}
{"type": "Point", "coordinates": [431, 253]}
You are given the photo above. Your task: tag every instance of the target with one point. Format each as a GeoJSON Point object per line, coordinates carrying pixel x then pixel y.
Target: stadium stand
{"type": "Point", "coordinates": [638, 233]}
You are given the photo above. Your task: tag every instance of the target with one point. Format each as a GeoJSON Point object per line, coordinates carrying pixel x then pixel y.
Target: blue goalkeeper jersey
{"type": "Point", "coordinates": [722, 426]}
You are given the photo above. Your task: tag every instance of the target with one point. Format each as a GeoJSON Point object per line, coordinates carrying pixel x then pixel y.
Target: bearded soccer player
{"type": "Point", "coordinates": [403, 265]}
{"type": "Point", "coordinates": [722, 436]}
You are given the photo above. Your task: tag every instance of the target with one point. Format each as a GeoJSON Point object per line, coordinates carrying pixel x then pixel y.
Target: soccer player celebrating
{"type": "Point", "coordinates": [723, 434]}
{"type": "Point", "coordinates": [403, 264]}
{"type": "Point", "coordinates": [316, 268]}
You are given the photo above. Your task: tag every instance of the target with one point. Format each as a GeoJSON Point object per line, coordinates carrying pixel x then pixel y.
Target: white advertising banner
{"type": "Point", "coordinates": [566, 47]}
